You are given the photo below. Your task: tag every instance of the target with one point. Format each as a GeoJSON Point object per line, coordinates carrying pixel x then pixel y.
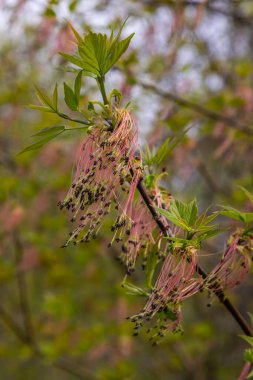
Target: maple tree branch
{"type": "Point", "coordinates": [198, 108]}
{"type": "Point", "coordinates": [219, 293]}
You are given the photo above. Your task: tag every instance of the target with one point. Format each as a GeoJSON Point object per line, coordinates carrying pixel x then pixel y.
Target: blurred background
{"type": "Point", "coordinates": [62, 312]}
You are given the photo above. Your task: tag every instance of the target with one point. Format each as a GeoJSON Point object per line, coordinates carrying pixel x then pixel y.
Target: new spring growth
{"type": "Point", "coordinates": [177, 281]}
{"type": "Point", "coordinates": [107, 175]}
{"type": "Point", "coordinates": [234, 264]}
{"type": "Point", "coordinates": [102, 176]}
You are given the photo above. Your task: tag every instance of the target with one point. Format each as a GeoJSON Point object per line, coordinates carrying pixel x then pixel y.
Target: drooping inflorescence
{"type": "Point", "coordinates": [233, 266]}
{"type": "Point", "coordinates": [102, 170]}
{"type": "Point", "coordinates": [175, 283]}
{"type": "Point", "coordinates": [134, 232]}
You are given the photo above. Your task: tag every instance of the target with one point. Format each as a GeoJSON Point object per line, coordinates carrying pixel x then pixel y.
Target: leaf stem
{"type": "Point", "coordinates": [64, 116]}
{"type": "Point", "coordinates": [101, 85]}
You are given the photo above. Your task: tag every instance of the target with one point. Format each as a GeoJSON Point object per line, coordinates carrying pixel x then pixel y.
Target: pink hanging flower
{"type": "Point", "coordinates": [174, 284]}
{"type": "Point", "coordinates": [134, 231]}
{"type": "Point", "coordinates": [102, 170]}
{"type": "Point", "coordinates": [233, 266]}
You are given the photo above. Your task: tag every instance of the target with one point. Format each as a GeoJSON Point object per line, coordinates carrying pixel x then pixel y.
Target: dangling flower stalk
{"type": "Point", "coordinates": [175, 283]}
{"type": "Point", "coordinates": [102, 171]}
{"type": "Point", "coordinates": [233, 266]}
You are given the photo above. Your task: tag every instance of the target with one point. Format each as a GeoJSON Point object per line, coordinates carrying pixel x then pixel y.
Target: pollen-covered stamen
{"type": "Point", "coordinates": [102, 170]}
{"type": "Point", "coordinates": [233, 266]}
{"type": "Point", "coordinates": [134, 229]}
{"type": "Point", "coordinates": [174, 284]}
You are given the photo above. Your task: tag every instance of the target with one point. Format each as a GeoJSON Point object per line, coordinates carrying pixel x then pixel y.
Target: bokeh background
{"type": "Point", "coordinates": [62, 311]}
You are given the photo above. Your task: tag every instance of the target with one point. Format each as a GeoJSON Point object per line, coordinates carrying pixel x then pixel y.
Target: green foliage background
{"type": "Point", "coordinates": [72, 297]}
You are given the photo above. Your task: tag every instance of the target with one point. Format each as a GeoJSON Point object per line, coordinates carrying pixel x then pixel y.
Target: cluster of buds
{"type": "Point", "coordinates": [175, 283]}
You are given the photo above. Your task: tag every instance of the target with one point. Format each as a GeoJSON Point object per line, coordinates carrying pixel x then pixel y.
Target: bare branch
{"type": "Point", "coordinates": [206, 112]}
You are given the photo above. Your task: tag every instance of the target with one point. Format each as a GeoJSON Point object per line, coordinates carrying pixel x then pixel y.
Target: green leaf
{"type": "Point", "coordinates": [72, 5]}
{"type": "Point", "coordinates": [134, 290]}
{"type": "Point", "coordinates": [203, 221]}
{"type": "Point", "coordinates": [55, 97]}
{"type": "Point", "coordinates": [77, 35]}
{"type": "Point", "coordinates": [247, 193]}
{"type": "Point", "coordinates": [233, 213]}
{"type": "Point", "coordinates": [187, 212]}
{"type": "Point", "coordinates": [40, 143]}
{"type": "Point", "coordinates": [44, 98]}
{"type": "Point", "coordinates": [175, 219]}
{"type": "Point", "coordinates": [192, 212]}
{"type": "Point", "coordinates": [78, 62]}
{"type": "Point", "coordinates": [78, 85]}
{"type": "Point", "coordinates": [55, 129]}
{"type": "Point", "coordinates": [116, 94]}
{"type": "Point", "coordinates": [116, 51]}
{"type": "Point", "coordinates": [208, 234]}
{"type": "Point", "coordinates": [250, 375]}
{"type": "Point", "coordinates": [248, 355]}
{"type": "Point", "coordinates": [97, 54]}
{"type": "Point", "coordinates": [162, 151]}
{"type": "Point", "coordinates": [40, 108]}
{"type": "Point", "coordinates": [93, 52]}
{"type": "Point", "coordinates": [70, 98]}
{"type": "Point", "coordinates": [49, 12]}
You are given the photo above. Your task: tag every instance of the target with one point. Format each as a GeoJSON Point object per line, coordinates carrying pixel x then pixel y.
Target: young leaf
{"type": "Point", "coordinates": [162, 151]}
{"type": "Point", "coordinates": [77, 35]}
{"type": "Point", "coordinates": [40, 108]}
{"type": "Point", "coordinates": [247, 193]}
{"type": "Point", "coordinates": [78, 62]}
{"type": "Point", "coordinates": [55, 129]}
{"type": "Point", "coordinates": [248, 355]}
{"type": "Point", "coordinates": [55, 97]}
{"type": "Point", "coordinates": [44, 98]}
{"type": "Point", "coordinates": [78, 84]}
{"type": "Point", "coordinates": [192, 212]}
{"type": "Point", "coordinates": [175, 219]}
{"type": "Point", "coordinates": [116, 51]}
{"type": "Point", "coordinates": [70, 98]}
{"type": "Point", "coordinates": [208, 234]}
{"type": "Point", "coordinates": [40, 143]}
{"type": "Point", "coordinates": [92, 52]}
{"type": "Point", "coordinates": [134, 290]}
{"type": "Point", "coordinates": [233, 213]}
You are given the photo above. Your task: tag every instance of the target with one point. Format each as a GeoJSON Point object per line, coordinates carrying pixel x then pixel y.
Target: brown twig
{"type": "Point", "coordinates": [198, 108]}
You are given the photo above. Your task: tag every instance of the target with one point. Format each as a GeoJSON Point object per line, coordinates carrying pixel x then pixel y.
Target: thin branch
{"type": "Point", "coordinates": [206, 112]}
{"type": "Point", "coordinates": [220, 294]}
